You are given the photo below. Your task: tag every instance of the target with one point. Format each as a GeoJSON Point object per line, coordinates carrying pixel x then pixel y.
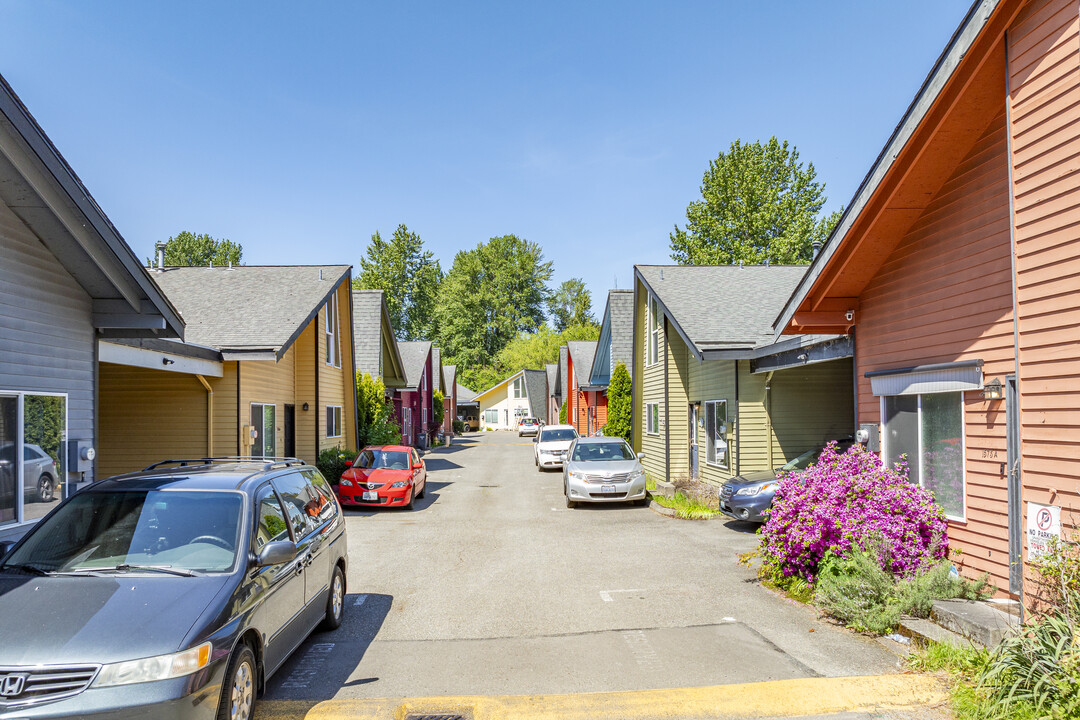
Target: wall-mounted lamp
{"type": "Point", "coordinates": [304, 407]}
{"type": "Point", "coordinates": [849, 315]}
{"type": "Point", "coordinates": [992, 390]}
{"type": "Point", "coordinates": [166, 362]}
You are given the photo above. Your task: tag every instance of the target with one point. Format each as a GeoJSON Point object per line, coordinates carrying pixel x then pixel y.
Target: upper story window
{"type": "Point", "coordinates": [519, 387]}
{"type": "Point", "coordinates": [653, 320]}
{"type": "Point", "coordinates": [333, 340]}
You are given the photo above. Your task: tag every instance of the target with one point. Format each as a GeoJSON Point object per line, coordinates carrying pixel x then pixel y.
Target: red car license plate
{"type": "Point", "coordinates": [371, 496]}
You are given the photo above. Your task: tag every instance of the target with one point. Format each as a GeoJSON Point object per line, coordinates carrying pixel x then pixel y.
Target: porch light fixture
{"type": "Point", "coordinates": [167, 362]}
{"type": "Point", "coordinates": [304, 407]}
{"type": "Point", "coordinates": [992, 390]}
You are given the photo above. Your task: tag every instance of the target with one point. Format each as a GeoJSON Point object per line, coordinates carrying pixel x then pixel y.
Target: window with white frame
{"type": "Point", "coordinates": [423, 381]}
{"type": "Point", "coordinates": [491, 417]}
{"type": "Point", "coordinates": [33, 427]}
{"type": "Point", "coordinates": [263, 430]}
{"type": "Point", "coordinates": [652, 418]}
{"type": "Point", "coordinates": [333, 421]}
{"type": "Point", "coordinates": [654, 332]}
{"type": "Point", "coordinates": [333, 340]}
{"type": "Point", "coordinates": [716, 433]}
{"type": "Point", "coordinates": [519, 387]}
{"type": "Point", "coordinates": [928, 432]}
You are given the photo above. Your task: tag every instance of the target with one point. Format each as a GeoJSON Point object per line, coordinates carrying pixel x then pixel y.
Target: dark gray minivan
{"type": "Point", "coordinates": [170, 593]}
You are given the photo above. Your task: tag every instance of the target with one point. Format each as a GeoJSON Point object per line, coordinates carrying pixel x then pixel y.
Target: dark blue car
{"type": "Point", "coordinates": [747, 497]}
{"type": "Point", "coordinates": [170, 593]}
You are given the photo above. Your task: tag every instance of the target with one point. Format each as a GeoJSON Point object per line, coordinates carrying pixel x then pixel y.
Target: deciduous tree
{"type": "Point", "coordinates": [409, 277]}
{"type": "Point", "coordinates": [189, 249]}
{"type": "Point", "coordinates": [759, 204]}
{"type": "Point", "coordinates": [570, 305]}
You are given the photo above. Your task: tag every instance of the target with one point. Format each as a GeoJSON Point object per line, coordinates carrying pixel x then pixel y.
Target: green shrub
{"type": "Point", "coordinates": [619, 401]}
{"type": "Point", "coordinates": [562, 414]}
{"type": "Point", "coordinates": [437, 409]}
{"type": "Point", "coordinates": [459, 427]}
{"type": "Point", "coordinates": [331, 463]}
{"type": "Point", "coordinates": [375, 415]}
{"type": "Point", "coordinates": [858, 592]}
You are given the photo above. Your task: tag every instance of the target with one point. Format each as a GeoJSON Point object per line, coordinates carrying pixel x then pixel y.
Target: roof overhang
{"type": "Point", "coordinates": [960, 96]}
{"type": "Point", "coordinates": [164, 355]}
{"type": "Point", "coordinates": [801, 351]}
{"type": "Point", "coordinates": [48, 197]}
{"type": "Point", "coordinates": [345, 277]}
{"type": "Point", "coordinates": [393, 369]}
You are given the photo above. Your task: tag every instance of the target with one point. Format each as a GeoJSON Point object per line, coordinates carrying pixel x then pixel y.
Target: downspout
{"type": "Point", "coordinates": [667, 409]}
{"type": "Point", "coordinates": [768, 419]}
{"type": "Point", "coordinates": [738, 423]}
{"type": "Point", "coordinates": [1016, 500]}
{"type": "Point", "coordinates": [317, 373]}
{"type": "Point", "coordinates": [209, 416]}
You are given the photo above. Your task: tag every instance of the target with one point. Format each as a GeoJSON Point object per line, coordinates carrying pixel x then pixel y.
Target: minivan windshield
{"type": "Point", "coordinates": [601, 451]}
{"type": "Point", "coordinates": [561, 434]}
{"type": "Point", "coordinates": [135, 531]}
{"type": "Point", "coordinates": [383, 459]}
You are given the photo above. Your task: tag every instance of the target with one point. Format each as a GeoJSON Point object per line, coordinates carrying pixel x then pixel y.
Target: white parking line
{"type": "Point", "coordinates": [605, 595]}
{"type": "Point", "coordinates": [359, 600]}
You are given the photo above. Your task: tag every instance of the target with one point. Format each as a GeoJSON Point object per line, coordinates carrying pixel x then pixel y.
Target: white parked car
{"type": "Point", "coordinates": [528, 426]}
{"type": "Point", "coordinates": [551, 444]}
{"type": "Point", "coordinates": [603, 469]}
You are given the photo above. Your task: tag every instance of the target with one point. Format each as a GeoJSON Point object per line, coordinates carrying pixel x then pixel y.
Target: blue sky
{"type": "Point", "coordinates": [298, 129]}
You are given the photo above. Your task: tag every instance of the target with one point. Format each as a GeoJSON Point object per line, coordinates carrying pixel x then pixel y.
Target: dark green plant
{"type": "Point", "coordinates": [562, 413]}
{"type": "Point", "coordinates": [331, 463]}
{"type": "Point", "coordinates": [459, 427]}
{"type": "Point", "coordinates": [409, 277]}
{"type": "Point", "coordinates": [619, 403]}
{"type": "Point", "coordinates": [189, 249]}
{"type": "Point", "coordinates": [437, 409]}
{"type": "Point", "coordinates": [375, 416]}
{"type": "Point", "coordinates": [43, 417]}
{"type": "Point", "coordinates": [857, 591]}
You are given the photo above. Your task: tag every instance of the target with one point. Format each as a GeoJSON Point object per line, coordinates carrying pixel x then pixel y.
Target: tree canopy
{"type": "Point", "coordinates": [527, 350]}
{"type": "Point", "coordinates": [759, 204]}
{"type": "Point", "coordinates": [492, 293]}
{"type": "Point", "coordinates": [189, 249]}
{"type": "Point", "coordinates": [409, 277]}
{"type": "Point", "coordinates": [570, 305]}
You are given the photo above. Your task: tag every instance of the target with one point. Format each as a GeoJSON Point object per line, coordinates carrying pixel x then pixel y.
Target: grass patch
{"type": "Point", "coordinates": [684, 507]}
{"type": "Point", "coordinates": [963, 666]}
{"type": "Point", "coordinates": [650, 483]}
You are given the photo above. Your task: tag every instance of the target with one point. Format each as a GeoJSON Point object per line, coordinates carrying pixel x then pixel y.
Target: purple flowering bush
{"type": "Point", "coordinates": [851, 501]}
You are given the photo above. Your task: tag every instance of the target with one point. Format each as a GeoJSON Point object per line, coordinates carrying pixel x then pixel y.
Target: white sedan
{"type": "Point", "coordinates": [550, 445]}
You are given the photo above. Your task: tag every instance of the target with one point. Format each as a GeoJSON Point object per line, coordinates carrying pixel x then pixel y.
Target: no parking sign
{"type": "Point", "coordinates": [1043, 523]}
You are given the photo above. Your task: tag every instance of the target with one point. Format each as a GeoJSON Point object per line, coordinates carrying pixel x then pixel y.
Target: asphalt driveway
{"type": "Point", "coordinates": [491, 586]}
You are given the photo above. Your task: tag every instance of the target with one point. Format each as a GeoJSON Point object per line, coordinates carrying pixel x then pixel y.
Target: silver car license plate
{"type": "Point", "coordinates": [607, 488]}
{"type": "Point", "coordinates": [371, 496]}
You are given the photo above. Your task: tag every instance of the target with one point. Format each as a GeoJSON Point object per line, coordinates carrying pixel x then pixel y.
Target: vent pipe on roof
{"type": "Point", "coordinates": [159, 248]}
{"type": "Point", "coordinates": [320, 275]}
{"type": "Point", "coordinates": [661, 273]}
{"type": "Point", "coordinates": [816, 249]}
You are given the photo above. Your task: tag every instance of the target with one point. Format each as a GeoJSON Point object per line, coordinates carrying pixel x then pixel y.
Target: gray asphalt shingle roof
{"type": "Point", "coordinates": [464, 394]}
{"type": "Point", "coordinates": [249, 307]}
{"type": "Point", "coordinates": [552, 371]}
{"type": "Point", "coordinates": [414, 356]}
{"type": "Point", "coordinates": [582, 352]}
{"type": "Point", "coordinates": [621, 309]}
{"type": "Point", "coordinates": [449, 378]}
{"type": "Point", "coordinates": [723, 306]}
{"type": "Point", "coordinates": [367, 330]}
{"type": "Point", "coordinates": [436, 369]}
{"type": "Point", "coordinates": [536, 387]}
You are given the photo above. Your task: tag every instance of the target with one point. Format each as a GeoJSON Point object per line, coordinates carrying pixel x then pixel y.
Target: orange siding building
{"type": "Point", "coordinates": [957, 267]}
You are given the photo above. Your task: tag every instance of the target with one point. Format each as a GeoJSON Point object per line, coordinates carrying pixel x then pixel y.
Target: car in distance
{"type": "Point", "coordinates": [39, 472]}
{"type": "Point", "coordinates": [603, 469]}
{"type": "Point", "coordinates": [528, 426]}
{"type": "Point", "coordinates": [174, 592]}
{"type": "Point", "coordinates": [551, 444]}
{"type": "Point", "coordinates": [747, 497]}
{"type": "Point", "coordinates": [383, 476]}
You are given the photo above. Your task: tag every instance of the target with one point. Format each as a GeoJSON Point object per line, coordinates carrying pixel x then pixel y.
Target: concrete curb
{"type": "Point", "coordinates": [778, 698]}
{"type": "Point", "coordinates": [670, 513]}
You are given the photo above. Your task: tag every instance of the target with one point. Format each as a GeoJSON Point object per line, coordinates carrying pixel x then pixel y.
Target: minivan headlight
{"type": "Point", "coordinates": [161, 667]}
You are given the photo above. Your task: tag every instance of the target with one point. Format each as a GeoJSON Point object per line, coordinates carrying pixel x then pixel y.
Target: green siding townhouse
{"type": "Point", "coordinates": [715, 396]}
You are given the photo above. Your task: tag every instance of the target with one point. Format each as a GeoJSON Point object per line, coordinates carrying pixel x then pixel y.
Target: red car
{"type": "Point", "coordinates": [388, 475]}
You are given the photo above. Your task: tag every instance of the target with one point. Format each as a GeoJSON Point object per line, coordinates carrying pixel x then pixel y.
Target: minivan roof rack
{"type": "Point", "coordinates": [269, 463]}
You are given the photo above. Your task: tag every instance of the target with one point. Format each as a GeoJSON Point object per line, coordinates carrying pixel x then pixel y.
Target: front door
{"type": "Point", "coordinates": [288, 424]}
{"type": "Point", "coordinates": [1012, 474]}
{"type": "Point", "coordinates": [692, 434]}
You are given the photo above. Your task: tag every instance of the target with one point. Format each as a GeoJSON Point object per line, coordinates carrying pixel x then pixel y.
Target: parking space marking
{"type": "Point", "coordinates": [642, 649]}
{"type": "Point", "coordinates": [359, 600]}
{"type": "Point", "coordinates": [309, 667]}
{"type": "Point", "coordinates": [605, 595]}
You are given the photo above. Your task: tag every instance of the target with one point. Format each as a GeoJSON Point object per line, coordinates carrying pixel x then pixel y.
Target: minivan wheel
{"type": "Point", "coordinates": [335, 604]}
{"type": "Point", "coordinates": [45, 488]}
{"type": "Point", "coordinates": [238, 696]}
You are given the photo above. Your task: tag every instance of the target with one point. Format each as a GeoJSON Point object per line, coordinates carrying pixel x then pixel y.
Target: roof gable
{"type": "Point", "coordinates": [374, 348]}
{"type": "Point", "coordinates": [414, 357]}
{"type": "Point", "coordinates": [721, 307]}
{"type": "Point", "coordinates": [581, 354]}
{"type": "Point", "coordinates": [616, 343]}
{"type": "Point", "coordinates": [249, 308]}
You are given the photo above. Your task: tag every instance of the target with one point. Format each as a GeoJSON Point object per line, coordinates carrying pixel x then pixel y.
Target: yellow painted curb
{"type": "Point", "coordinates": [778, 698]}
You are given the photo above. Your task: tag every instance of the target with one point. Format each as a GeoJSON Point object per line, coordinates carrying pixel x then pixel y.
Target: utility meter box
{"type": "Point", "coordinates": [868, 437]}
{"type": "Point", "coordinates": [80, 456]}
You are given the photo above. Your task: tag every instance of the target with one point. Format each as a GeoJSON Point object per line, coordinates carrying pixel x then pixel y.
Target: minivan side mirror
{"type": "Point", "coordinates": [276, 553]}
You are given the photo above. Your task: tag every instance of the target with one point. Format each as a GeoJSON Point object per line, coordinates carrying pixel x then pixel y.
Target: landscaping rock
{"type": "Point", "coordinates": [664, 489]}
